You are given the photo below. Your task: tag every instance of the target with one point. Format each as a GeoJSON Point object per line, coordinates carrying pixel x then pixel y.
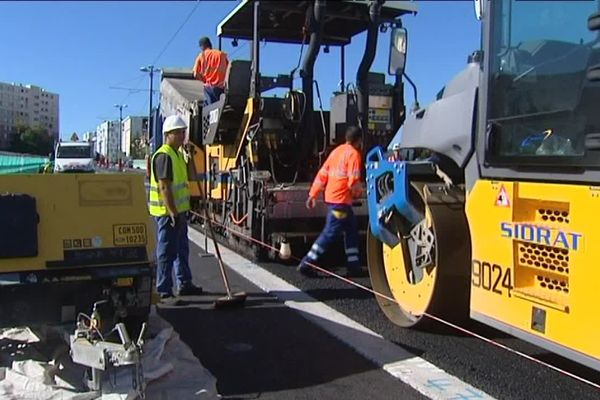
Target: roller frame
{"type": "Point", "coordinates": [451, 247]}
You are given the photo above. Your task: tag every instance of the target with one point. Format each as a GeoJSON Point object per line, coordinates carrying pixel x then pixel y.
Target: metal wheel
{"type": "Point", "coordinates": [435, 283]}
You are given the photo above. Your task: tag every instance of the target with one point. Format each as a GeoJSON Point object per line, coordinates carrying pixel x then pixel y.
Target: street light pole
{"type": "Point", "coordinates": [150, 69]}
{"type": "Point", "coordinates": [120, 107]}
{"type": "Point", "coordinates": [150, 102]}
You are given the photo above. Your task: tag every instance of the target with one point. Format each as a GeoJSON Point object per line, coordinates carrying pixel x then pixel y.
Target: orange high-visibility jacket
{"type": "Point", "coordinates": [211, 66]}
{"type": "Point", "coordinates": [339, 176]}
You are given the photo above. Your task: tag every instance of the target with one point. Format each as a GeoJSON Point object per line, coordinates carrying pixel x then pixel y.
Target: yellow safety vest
{"type": "Point", "coordinates": [179, 186]}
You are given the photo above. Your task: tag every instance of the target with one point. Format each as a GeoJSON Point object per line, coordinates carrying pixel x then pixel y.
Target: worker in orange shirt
{"type": "Point", "coordinates": [340, 178]}
{"type": "Point", "coordinates": [210, 68]}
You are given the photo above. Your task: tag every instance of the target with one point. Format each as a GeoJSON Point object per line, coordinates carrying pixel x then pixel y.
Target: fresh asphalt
{"type": "Point", "coordinates": [266, 350]}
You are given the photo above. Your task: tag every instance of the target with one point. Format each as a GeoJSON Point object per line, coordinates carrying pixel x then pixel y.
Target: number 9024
{"type": "Point", "coordinates": [491, 277]}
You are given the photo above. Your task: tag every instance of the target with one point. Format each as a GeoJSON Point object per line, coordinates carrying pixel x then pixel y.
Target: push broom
{"type": "Point", "coordinates": [231, 299]}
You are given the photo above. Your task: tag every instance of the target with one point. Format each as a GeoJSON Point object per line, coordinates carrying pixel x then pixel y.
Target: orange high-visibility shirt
{"type": "Point", "coordinates": [339, 176]}
{"type": "Point", "coordinates": [211, 66]}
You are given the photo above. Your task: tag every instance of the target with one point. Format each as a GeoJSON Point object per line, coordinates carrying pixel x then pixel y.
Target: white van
{"type": "Point", "coordinates": [74, 157]}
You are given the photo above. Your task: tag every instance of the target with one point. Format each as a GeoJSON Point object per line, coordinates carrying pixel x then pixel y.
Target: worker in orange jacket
{"type": "Point", "coordinates": [210, 67]}
{"type": "Point", "coordinates": [340, 178]}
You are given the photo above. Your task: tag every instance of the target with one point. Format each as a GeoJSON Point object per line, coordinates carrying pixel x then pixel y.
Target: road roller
{"type": "Point", "coordinates": [483, 205]}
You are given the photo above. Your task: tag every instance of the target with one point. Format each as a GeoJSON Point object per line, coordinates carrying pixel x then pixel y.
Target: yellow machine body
{"type": "Point", "coordinates": [516, 246]}
{"type": "Point", "coordinates": [219, 158]}
{"type": "Point", "coordinates": [215, 160]}
{"type": "Point", "coordinates": [83, 212]}
{"type": "Point", "coordinates": [534, 263]}
{"type": "Point", "coordinates": [85, 238]}
{"type": "Point", "coordinates": [196, 170]}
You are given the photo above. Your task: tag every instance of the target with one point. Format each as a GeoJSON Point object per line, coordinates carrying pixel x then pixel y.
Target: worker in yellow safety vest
{"type": "Point", "coordinates": [48, 167]}
{"type": "Point", "coordinates": [169, 203]}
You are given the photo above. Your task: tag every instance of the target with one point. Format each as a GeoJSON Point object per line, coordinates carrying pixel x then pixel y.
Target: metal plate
{"type": "Point", "coordinates": [129, 234]}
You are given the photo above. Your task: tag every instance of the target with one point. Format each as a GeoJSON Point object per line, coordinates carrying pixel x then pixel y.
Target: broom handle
{"type": "Point", "coordinates": [214, 239]}
{"type": "Point", "coordinates": [212, 233]}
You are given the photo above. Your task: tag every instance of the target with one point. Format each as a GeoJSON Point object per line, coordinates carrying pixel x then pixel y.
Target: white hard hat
{"type": "Point", "coordinates": [396, 146]}
{"type": "Point", "coordinates": [173, 122]}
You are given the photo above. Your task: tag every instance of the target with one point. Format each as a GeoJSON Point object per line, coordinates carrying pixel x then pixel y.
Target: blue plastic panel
{"type": "Point", "coordinates": [377, 166]}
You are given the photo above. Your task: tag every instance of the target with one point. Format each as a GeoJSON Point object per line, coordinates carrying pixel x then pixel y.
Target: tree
{"type": "Point", "coordinates": [74, 137]}
{"type": "Point", "coordinates": [138, 149]}
{"type": "Point", "coordinates": [25, 139]}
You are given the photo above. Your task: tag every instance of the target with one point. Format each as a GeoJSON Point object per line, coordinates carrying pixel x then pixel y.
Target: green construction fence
{"type": "Point", "coordinates": [17, 163]}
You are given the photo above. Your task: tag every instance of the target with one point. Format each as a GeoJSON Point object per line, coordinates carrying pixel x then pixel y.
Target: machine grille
{"type": "Point", "coordinates": [544, 257]}
{"type": "Point", "coordinates": [560, 216]}
{"type": "Point", "coordinates": [542, 271]}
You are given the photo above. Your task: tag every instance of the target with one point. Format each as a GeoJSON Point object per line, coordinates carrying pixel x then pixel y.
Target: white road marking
{"type": "Point", "coordinates": [414, 371]}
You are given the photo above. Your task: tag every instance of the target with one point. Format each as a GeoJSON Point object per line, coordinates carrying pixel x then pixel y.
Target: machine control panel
{"type": "Point", "coordinates": [380, 108]}
{"type": "Point", "coordinates": [379, 116]}
{"type": "Point", "coordinates": [380, 122]}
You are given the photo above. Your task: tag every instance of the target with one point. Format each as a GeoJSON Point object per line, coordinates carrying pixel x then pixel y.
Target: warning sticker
{"type": "Point", "coordinates": [129, 235]}
{"type": "Point", "coordinates": [502, 198]}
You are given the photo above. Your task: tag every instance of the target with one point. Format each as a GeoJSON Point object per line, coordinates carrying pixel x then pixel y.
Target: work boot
{"type": "Point", "coordinates": [168, 299]}
{"type": "Point", "coordinates": [307, 271]}
{"type": "Point", "coordinates": [190, 290]}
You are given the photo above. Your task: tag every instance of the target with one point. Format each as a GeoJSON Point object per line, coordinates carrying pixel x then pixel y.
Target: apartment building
{"type": "Point", "coordinates": [107, 140]}
{"type": "Point", "coordinates": [135, 131]}
{"type": "Point", "coordinates": [27, 105]}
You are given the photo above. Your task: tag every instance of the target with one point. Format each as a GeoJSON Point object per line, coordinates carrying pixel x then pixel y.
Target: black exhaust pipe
{"type": "Point", "coordinates": [362, 76]}
{"type": "Point", "coordinates": [314, 16]}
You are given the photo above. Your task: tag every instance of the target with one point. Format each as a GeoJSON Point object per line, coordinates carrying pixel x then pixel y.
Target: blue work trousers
{"type": "Point", "coordinates": [212, 94]}
{"type": "Point", "coordinates": [340, 221]}
{"type": "Point", "coordinates": [172, 249]}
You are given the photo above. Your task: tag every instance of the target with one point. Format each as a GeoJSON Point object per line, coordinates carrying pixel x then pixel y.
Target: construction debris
{"type": "Point", "coordinates": [19, 334]}
{"type": "Point", "coordinates": [43, 370]}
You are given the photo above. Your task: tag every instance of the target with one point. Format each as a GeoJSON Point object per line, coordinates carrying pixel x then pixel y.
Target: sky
{"type": "Point", "coordinates": [85, 50]}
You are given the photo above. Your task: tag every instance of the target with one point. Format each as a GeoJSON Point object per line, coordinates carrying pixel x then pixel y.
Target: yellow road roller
{"type": "Point", "coordinates": [489, 207]}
